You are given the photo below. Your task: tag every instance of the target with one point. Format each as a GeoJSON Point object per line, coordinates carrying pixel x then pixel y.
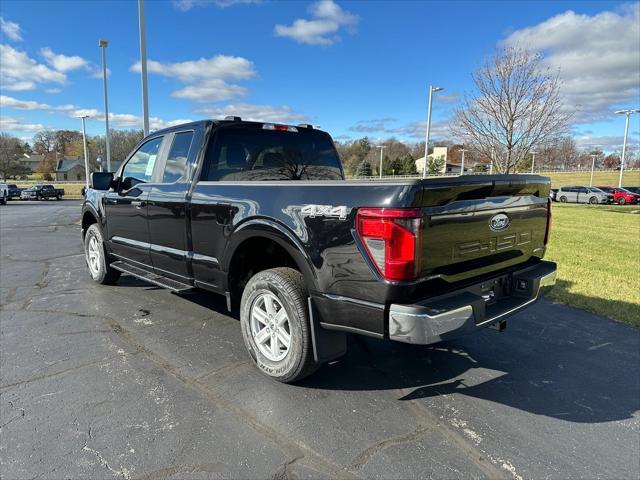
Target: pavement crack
{"type": "Point", "coordinates": [367, 454]}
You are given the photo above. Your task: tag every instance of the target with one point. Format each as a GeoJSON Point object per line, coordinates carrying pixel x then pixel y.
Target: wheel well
{"type": "Point", "coordinates": [252, 256]}
{"type": "Point", "coordinates": [87, 220]}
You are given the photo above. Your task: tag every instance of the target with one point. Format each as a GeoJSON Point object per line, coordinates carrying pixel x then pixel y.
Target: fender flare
{"type": "Point", "coordinates": [279, 233]}
{"type": "Point", "coordinates": [89, 208]}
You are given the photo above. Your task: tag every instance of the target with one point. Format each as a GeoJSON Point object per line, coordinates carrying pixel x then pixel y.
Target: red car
{"type": "Point", "coordinates": [621, 195]}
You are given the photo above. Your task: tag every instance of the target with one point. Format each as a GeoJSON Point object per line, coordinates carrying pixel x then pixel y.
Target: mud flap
{"type": "Point", "coordinates": [327, 344]}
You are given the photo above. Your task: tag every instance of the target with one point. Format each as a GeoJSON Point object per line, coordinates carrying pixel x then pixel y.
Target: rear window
{"type": "Point", "coordinates": [251, 153]}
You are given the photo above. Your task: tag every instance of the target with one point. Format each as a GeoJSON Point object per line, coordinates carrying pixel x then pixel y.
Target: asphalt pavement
{"type": "Point", "coordinates": [132, 381]}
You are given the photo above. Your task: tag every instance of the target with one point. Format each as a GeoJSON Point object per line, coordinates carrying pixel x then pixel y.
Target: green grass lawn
{"type": "Point", "coordinates": [630, 178]}
{"type": "Point", "coordinates": [597, 249]}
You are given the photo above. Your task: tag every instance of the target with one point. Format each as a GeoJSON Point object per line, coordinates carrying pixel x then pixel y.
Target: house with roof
{"type": "Point", "coordinates": [31, 162]}
{"type": "Point", "coordinates": [71, 169]}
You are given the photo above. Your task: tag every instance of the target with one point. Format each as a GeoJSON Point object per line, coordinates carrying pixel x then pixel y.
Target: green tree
{"type": "Point", "coordinates": [435, 165]}
{"type": "Point", "coordinates": [408, 165]}
{"type": "Point", "coordinates": [364, 169]}
{"type": "Point", "coordinates": [10, 153]}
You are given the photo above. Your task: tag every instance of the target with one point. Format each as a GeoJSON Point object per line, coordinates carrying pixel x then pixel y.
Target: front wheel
{"type": "Point", "coordinates": [622, 201]}
{"type": "Point", "coordinates": [593, 200]}
{"type": "Point", "coordinates": [563, 199]}
{"type": "Point", "coordinates": [99, 268]}
{"type": "Point", "coordinates": [58, 197]}
{"type": "Point", "coordinates": [275, 324]}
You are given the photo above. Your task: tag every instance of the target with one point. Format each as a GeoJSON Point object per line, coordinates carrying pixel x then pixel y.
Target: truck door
{"type": "Point", "coordinates": [167, 210]}
{"type": "Point", "coordinates": [126, 208]}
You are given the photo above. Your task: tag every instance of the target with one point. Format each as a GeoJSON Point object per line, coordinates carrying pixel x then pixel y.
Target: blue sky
{"type": "Point", "coordinates": [355, 68]}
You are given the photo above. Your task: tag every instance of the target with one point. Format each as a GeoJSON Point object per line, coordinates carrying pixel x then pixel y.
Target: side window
{"type": "Point", "coordinates": [139, 168]}
{"type": "Point", "coordinates": [177, 159]}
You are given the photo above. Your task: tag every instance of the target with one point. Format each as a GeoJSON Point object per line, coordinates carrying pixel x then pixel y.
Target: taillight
{"type": "Point", "coordinates": [547, 233]}
{"type": "Point", "coordinates": [280, 128]}
{"type": "Point", "coordinates": [392, 239]}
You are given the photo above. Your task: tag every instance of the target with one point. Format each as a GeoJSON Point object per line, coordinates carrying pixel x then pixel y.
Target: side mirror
{"type": "Point", "coordinates": [101, 180]}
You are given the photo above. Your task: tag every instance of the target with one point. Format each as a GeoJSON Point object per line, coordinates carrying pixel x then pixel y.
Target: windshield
{"type": "Point", "coordinates": [624, 190]}
{"type": "Point", "coordinates": [606, 189]}
{"type": "Point", "coordinates": [248, 152]}
{"type": "Point", "coordinates": [595, 190]}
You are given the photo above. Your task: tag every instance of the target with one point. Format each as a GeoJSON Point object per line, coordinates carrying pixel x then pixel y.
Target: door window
{"type": "Point", "coordinates": [139, 168]}
{"type": "Point", "coordinates": [176, 163]}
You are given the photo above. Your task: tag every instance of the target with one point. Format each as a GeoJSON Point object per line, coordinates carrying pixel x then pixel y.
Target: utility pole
{"type": "Point", "coordinates": [593, 166]}
{"type": "Point", "coordinates": [381, 147]}
{"type": "Point", "coordinates": [86, 156]}
{"type": "Point", "coordinates": [628, 113]}
{"type": "Point", "coordinates": [533, 160]}
{"type": "Point", "coordinates": [143, 69]}
{"type": "Point", "coordinates": [103, 44]}
{"type": "Point", "coordinates": [432, 89]}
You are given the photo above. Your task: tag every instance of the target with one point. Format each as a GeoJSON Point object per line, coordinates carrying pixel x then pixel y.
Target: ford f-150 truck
{"type": "Point", "coordinates": [41, 192]}
{"type": "Point", "coordinates": [261, 213]}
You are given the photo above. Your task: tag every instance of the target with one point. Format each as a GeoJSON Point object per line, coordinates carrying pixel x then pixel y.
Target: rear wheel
{"type": "Point", "coordinates": [3, 200]}
{"type": "Point", "coordinates": [593, 200]}
{"type": "Point", "coordinates": [99, 268]}
{"type": "Point", "coordinates": [275, 324]}
{"type": "Point", "coordinates": [622, 201]}
{"type": "Point", "coordinates": [563, 199]}
{"type": "Point", "coordinates": [58, 197]}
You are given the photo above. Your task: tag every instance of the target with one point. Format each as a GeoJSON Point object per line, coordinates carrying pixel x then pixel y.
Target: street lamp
{"type": "Point", "coordinates": [143, 69]}
{"type": "Point", "coordinates": [462, 150]}
{"type": "Point", "coordinates": [432, 89]}
{"type": "Point", "coordinates": [628, 113]}
{"type": "Point", "coordinates": [86, 157]}
{"type": "Point", "coordinates": [381, 147]}
{"type": "Point", "coordinates": [533, 160]}
{"type": "Point", "coordinates": [103, 44]}
{"type": "Point", "coordinates": [593, 166]}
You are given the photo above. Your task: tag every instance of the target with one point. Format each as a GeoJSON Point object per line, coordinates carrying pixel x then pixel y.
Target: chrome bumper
{"type": "Point", "coordinates": [466, 310]}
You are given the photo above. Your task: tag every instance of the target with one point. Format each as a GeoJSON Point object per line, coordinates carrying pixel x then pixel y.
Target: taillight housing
{"type": "Point", "coordinates": [547, 232]}
{"type": "Point", "coordinates": [392, 240]}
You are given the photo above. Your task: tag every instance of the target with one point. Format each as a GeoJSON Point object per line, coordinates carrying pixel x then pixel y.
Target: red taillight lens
{"type": "Point", "coordinates": [391, 237]}
{"type": "Point", "coordinates": [547, 233]}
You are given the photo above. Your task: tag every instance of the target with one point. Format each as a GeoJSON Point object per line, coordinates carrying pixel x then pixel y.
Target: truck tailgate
{"type": "Point", "coordinates": [484, 225]}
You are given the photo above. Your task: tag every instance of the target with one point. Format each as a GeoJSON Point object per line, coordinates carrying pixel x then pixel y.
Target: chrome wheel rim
{"type": "Point", "coordinates": [93, 256]}
{"type": "Point", "coordinates": [270, 327]}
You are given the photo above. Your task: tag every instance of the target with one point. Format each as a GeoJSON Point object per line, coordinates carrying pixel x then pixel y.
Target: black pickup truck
{"type": "Point", "coordinates": [41, 192]}
{"type": "Point", "coordinates": [261, 213]}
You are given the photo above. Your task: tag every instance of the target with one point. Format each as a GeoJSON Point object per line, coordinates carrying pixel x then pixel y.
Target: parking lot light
{"type": "Point", "coordinates": [381, 147]}
{"type": "Point", "coordinates": [628, 113]}
{"type": "Point", "coordinates": [432, 89]}
{"type": "Point", "coordinates": [86, 158]}
{"type": "Point", "coordinates": [103, 45]}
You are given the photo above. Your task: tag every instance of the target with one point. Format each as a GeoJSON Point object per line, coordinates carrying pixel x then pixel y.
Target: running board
{"type": "Point", "coordinates": [151, 277]}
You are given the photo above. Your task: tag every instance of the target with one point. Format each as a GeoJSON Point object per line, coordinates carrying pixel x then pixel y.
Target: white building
{"type": "Point", "coordinates": [438, 152]}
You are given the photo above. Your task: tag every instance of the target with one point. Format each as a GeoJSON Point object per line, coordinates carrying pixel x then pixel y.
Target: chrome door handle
{"type": "Point", "coordinates": [137, 203]}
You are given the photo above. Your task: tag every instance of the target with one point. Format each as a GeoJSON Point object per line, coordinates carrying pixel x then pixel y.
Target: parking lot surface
{"type": "Point", "coordinates": [132, 381]}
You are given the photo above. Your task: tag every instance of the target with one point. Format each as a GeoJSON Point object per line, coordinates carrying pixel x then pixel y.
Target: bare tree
{"type": "Point", "coordinates": [516, 106]}
{"type": "Point", "coordinates": [10, 153]}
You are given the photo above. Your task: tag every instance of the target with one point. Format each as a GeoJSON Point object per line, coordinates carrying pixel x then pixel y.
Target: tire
{"type": "Point", "coordinates": [37, 198]}
{"type": "Point", "coordinates": [622, 201]}
{"type": "Point", "coordinates": [3, 200]}
{"type": "Point", "coordinates": [593, 201]}
{"type": "Point", "coordinates": [266, 295]}
{"type": "Point", "coordinates": [58, 197]}
{"type": "Point", "coordinates": [563, 199]}
{"type": "Point", "coordinates": [96, 259]}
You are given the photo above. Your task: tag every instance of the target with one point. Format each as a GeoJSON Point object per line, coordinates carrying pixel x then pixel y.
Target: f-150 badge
{"type": "Point", "coordinates": [325, 211]}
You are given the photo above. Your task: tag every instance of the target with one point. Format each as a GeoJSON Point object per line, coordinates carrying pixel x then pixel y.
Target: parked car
{"type": "Point", "coordinates": [41, 192]}
{"type": "Point", "coordinates": [635, 190]}
{"type": "Point", "coordinates": [582, 194]}
{"type": "Point", "coordinates": [621, 195]}
{"type": "Point", "coordinates": [14, 191]}
{"type": "Point", "coordinates": [4, 193]}
{"type": "Point", "coordinates": [261, 213]}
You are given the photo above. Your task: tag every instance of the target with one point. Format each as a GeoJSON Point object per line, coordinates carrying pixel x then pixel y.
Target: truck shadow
{"type": "Point", "coordinates": [561, 373]}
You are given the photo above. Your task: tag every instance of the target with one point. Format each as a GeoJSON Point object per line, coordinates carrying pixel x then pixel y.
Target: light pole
{"type": "Point", "coordinates": [593, 166]}
{"type": "Point", "coordinates": [143, 69]}
{"type": "Point", "coordinates": [381, 147]}
{"type": "Point", "coordinates": [103, 44]}
{"type": "Point", "coordinates": [432, 89]}
{"type": "Point", "coordinates": [628, 113]}
{"type": "Point", "coordinates": [533, 160]}
{"type": "Point", "coordinates": [86, 156]}
{"type": "Point", "coordinates": [462, 150]}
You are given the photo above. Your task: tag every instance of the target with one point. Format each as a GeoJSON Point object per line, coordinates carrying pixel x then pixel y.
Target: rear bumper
{"type": "Point", "coordinates": [467, 310]}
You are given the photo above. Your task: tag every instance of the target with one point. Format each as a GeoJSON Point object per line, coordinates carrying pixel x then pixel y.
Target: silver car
{"type": "Point", "coordinates": [590, 195]}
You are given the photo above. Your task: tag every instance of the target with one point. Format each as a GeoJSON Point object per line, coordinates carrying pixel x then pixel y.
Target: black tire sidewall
{"type": "Point", "coordinates": [622, 201]}
{"type": "Point", "coordinates": [593, 200]}
{"type": "Point", "coordinates": [269, 281]}
{"type": "Point", "coordinates": [94, 231]}
{"type": "Point", "coordinates": [563, 199]}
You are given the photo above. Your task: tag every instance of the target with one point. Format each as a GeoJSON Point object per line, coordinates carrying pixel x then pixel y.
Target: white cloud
{"type": "Point", "coordinates": [607, 143]}
{"type": "Point", "coordinates": [322, 29]}
{"type": "Point", "coordinates": [598, 57]}
{"type": "Point", "coordinates": [10, 29]}
{"type": "Point", "coordinates": [52, 90]}
{"type": "Point", "coordinates": [19, 72]}
{"type": "Point", "coordinates": [258, 113]}
{"type": "Point", "coordinates": [9, 124]}
{"type": "Point", "coordinates": [417, 130]}
{"type": "Point", "coordinates": [125, 119]}
{"type": "Point", "coordinates": [185, 5]}
{"type": "Point", "coordinates": [369, 126]}
{"type": "Point", "coordinates": [10, 102]}
{"type": "Point", "coordinates": [205, 79]}
{"type": "Point", "coordinates": [63, 63]}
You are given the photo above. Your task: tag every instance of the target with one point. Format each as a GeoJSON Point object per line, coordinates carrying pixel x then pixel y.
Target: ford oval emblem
{"type": "Point", "coordinates": [499, 222]}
